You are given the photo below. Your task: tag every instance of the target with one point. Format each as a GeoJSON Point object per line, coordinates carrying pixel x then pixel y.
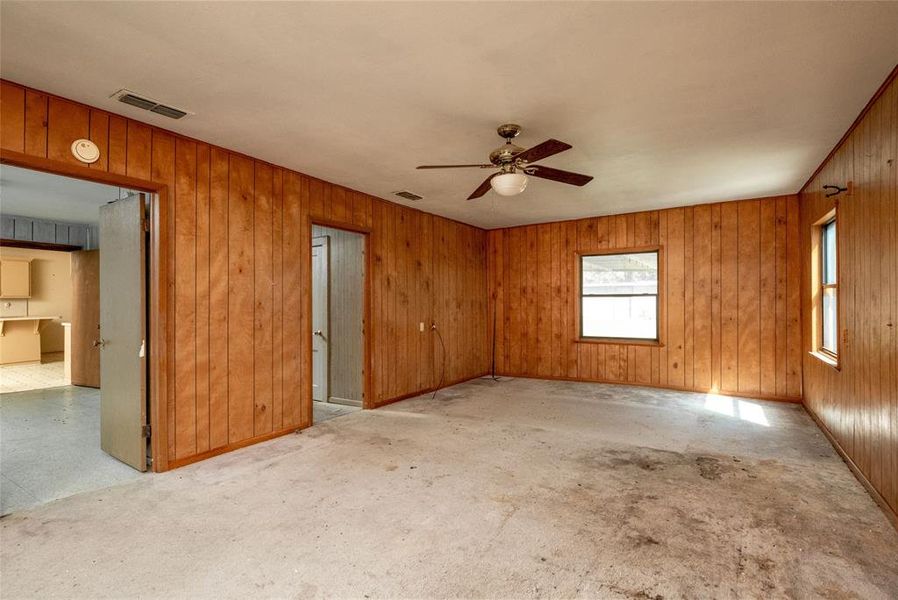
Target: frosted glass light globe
{"type": "Point", "coordinates": [509, 184]}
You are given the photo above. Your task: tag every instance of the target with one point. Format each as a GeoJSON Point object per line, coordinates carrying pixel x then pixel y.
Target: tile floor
{"type": "Point", "coordinates": [19, 378]}
{"type": "Point", "coordinates": [51, 447]}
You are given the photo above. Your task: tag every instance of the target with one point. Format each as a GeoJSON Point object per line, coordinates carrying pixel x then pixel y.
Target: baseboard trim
{"type": "Point", "coordinates": [428, 390]}
{"type": "Point", "coordinates": [891, 515]}
{"type": "Point", "coordinates": [182, 462]}
{"type": "Point", "coordinates": [790, 399]}
{"type": "Point", "coordinates": [174, 464]}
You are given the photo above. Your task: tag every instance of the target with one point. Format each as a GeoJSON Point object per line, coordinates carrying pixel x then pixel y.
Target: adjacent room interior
{"type": "Point", "coordinates": [51, 410]}
{"type": "Point", "coordinates": [449, 300]}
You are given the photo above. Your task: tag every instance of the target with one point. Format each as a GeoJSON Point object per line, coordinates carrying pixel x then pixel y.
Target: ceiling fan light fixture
{"type": "Point", "coordinates": [509, 184]}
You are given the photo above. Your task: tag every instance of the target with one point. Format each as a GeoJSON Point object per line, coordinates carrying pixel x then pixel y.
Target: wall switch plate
{"type": "Point", "coordinates": [421, 326]}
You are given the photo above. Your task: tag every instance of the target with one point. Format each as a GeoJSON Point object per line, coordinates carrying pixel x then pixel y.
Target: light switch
{"type": "Point", "coordinates": [421, 327]}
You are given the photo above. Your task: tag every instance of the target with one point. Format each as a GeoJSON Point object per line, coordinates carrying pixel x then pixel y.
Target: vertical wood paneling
{"type": "Point", "coordinates": [218, 299]}
{"type": "Point", "coordinates": [721, 264]}
{"type": "Point", "coordinates": [99, 134]}
{"type": "Point", "coordinates": [689, 303]}
{"type": "Point", "coordinates": [702, 313]}
{"type": "Point", "coordinates": [293, 325]}
{"type": "Point", "coordinates": [203, 165]}
{"type": "Point", "coordinates": [139, 141]}
{"type": "Point", "coordinates": [782, 278]}
{"type": "Point", "coordinates": [240, 266]}
{"type": "Point", "coordinates": [70, 122]}
{"type": "Point", "coordinates": [160, 158]}
{"type": "Point", "coordinates": [716, 333]}
{"type": "Point", "coordinates": [767, 265]}
{"type": "Point", "coordinates": [277, 292]}
{"type": "Point", "coordinates": [748, 356]}
{"type": "Point", "coordinates": [36, 124]}
{"type": "Point", "coordinates": [118, 145]}
{"type": "Point", "coordinates": [240, 299]}
{"type": "Point", "coordinates": [676, 296]}
{"type": "Point", "coordinates": [858, 403]}
{"type": "Point", "coordinates": [729, 296]}
{"type": "Point", "coordinates": [185, 299]}
{"type": "Point", "coordinates": [263, 344]}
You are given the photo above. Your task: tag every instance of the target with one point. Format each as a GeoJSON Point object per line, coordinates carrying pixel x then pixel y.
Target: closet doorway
{"type": "Point", "coordinates": [338, 322]}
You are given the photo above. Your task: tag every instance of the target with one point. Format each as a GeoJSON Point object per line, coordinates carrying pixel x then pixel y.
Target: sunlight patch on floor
{"type": "Point", "coordinates": [736, 408]}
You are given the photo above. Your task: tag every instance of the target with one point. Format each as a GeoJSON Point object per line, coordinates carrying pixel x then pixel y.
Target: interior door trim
{"type": "Point", "coordinates": [323, 242]}
{"type": "Point", "coordinates": [368, 399]}
{"type": "Point", "coordinates": [161, 256]}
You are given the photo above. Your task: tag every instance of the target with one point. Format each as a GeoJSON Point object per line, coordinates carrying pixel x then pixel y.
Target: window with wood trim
{"type": "Point", "coordinates": [829, 289]}
{"type": "Point", "coordinates": [619, 296]}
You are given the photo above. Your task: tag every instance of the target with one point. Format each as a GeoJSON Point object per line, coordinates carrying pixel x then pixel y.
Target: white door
{"type": "Point", "coordinates": [320, 329]}
{"type": "Point", "coordinates": [123, 413]}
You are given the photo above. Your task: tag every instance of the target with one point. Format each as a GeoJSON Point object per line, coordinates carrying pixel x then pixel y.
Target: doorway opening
{"type": "Point", "coordinates": [338, 322]}
{"type": "Point", "coordinates": [73, 337]}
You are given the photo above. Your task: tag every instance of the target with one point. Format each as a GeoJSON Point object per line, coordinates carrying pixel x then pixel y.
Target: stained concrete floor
{"type": "Point", "coordinates": [50, 447]}
{"type": "Point", "coordinates": [518, 488]}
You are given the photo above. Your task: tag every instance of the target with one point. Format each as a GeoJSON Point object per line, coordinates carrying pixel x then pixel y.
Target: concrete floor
{"type": "Point", "coordinates": [517, 488]}
{"type": "Point", "coordinates": [50, 447]}
{"type": "Point", "coordinates": [325, 411]}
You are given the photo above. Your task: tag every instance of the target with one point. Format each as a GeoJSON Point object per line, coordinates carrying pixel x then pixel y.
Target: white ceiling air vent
{"type": "Point", "coordinates": [408, 195]}
{"type": "Point", "coordinates": [129, 97]}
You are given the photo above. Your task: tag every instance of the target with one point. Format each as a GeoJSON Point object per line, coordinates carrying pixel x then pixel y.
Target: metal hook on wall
{"type": "Point", "coordinates": [837, 190]}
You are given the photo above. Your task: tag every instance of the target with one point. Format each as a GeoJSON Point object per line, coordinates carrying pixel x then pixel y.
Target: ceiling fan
{"type": "Point", "coordinates": [516, 163]}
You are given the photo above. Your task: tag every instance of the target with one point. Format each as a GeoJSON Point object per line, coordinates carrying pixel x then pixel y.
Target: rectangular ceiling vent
{"type": "Point", "coordinates": [408, 195]}
{"type": "Point", "coordinates": [129, 97]}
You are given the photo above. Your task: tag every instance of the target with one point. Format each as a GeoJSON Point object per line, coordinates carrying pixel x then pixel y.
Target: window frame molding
{"type": "Point", "coordinates": [577, 300]}
{"type": "Point", "coordinates": [825, 355]}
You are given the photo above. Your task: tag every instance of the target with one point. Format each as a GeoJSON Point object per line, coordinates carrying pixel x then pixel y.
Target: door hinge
{"type": "Point", "coordinates": [145, 431]}
{"type": "Point", "coordinates": [146, 224]}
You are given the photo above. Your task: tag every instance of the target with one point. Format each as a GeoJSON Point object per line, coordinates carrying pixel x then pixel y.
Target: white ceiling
{"type": "Point", "coordinates": [666, 104]}
{"type": "Point", "coordinates": [39, 195]}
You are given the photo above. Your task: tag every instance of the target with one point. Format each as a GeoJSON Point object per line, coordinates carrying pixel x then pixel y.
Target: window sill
{"type": "Point", "coordinates": [619, 341]}
{"type": "Point", "coordinates": [829, 361]}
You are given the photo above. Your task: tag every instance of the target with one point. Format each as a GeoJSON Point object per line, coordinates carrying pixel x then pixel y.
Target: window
{"type": "Point", "coordinates": [619, 296]}
{"type": "Point", "coordinates": [829, 292]}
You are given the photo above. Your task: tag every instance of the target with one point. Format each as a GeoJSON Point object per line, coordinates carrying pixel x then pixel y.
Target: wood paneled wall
{"type": "Point", "coordinates": [240, 367]}
{"type": "Point", "coordinates": [729, 299]}
{"type": "Point", "coordinates": [858, 403]}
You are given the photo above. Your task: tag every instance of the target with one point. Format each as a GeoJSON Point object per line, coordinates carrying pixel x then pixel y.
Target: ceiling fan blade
{"type": "Point", "coordinates": [544, 150]}
{"type": "Point", "coordinates": [484, 188]}
{"type": "Point", "coordinates": [455, 166]}
{"type": "Point", "coordinates": [558, 175]}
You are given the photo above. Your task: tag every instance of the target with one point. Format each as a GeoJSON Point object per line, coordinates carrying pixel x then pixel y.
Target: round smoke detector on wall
{"type": "Point", "coordinates": [86, 151]}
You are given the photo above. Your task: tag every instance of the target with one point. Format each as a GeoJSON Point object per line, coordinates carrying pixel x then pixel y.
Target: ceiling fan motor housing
{"type": "Point", "coordinates": [504, 154]}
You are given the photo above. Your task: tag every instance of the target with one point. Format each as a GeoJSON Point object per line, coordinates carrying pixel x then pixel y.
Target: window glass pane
{"type": "Point", "coordinates": [829, 252]}
{"type": "Point", "coordinates": [620, 317]}
{"type": "Point", "coordinates": [620, 274]}
{"type": "Point", "coordinates": [830, 335]}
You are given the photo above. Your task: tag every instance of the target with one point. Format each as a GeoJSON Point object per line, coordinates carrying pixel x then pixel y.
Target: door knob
{"type": "Point", "coordinates": [318, 332]}
{"type": "Point", "coordinates": [100, 343]}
